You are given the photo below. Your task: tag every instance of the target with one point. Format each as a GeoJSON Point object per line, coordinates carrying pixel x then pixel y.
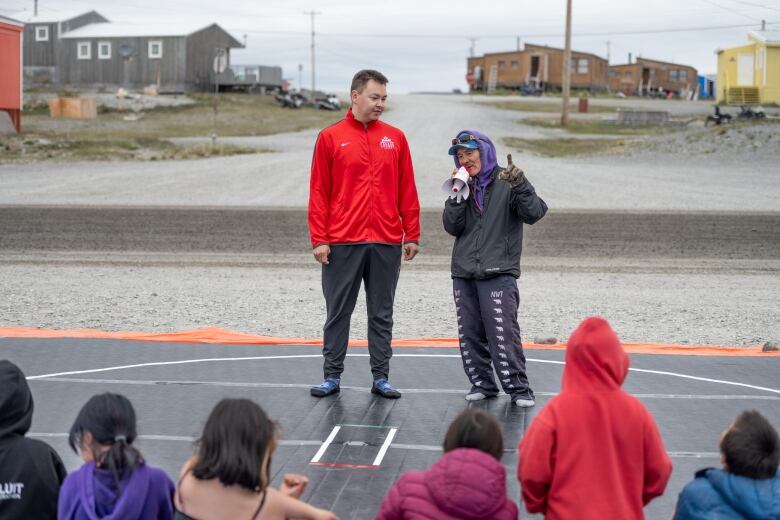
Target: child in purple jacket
{"type": "Point", "coordinates": [115, 482]}
{"type": "Point", "coordinates": [468, 481]}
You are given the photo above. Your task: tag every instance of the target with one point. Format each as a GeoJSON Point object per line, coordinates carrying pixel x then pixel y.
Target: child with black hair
{"type": "Point", "coordinates": [748, 486]}
{"type": "Point", "coordinates": [468, 481]}
{"type": "Point", "coordinates": [115, 482]}
{"type": "Point", "coordinates": [230, 475]}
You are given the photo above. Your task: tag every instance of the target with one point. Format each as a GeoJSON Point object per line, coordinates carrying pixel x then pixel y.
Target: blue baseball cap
{"type": "Point", "coordinates": [467, 141]}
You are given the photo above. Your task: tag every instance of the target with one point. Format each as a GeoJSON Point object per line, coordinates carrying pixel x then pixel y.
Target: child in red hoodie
{"type": "Point", "coordinates": [594, 451]}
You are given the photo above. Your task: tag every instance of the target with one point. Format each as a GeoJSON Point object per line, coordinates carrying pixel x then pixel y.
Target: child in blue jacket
{"type": "Point", "coordinates": [748, 486]}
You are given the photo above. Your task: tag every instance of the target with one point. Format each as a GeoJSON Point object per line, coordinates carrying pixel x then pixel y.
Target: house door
{"type": "Point", "coordinates": [535, 69]}
{"type": "Point", "coordinates": [745, 70]}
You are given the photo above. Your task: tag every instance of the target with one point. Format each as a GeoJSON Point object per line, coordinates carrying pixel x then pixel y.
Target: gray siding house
{"type": "Point", "coordinates": [42, 33]}
{"type": "Point", "coordinates": [175, 59]}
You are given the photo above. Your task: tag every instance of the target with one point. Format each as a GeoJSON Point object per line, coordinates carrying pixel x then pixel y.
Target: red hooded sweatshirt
{"type": "Point", "coordinates": [594, 451]}
{"type": "Point", "coordinates": [362, 186]}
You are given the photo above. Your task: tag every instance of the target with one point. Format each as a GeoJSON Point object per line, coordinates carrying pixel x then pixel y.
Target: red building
{"type": "Point", "coordinates": [11, 69]}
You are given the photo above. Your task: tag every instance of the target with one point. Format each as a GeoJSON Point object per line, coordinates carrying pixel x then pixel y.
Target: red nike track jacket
{"type": "Point", "coordinates": [362, 186]}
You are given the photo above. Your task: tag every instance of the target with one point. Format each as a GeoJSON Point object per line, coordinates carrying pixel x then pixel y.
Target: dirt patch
{"type": "Point", "coordinates": [531, 106]}
{"type": "Point", "coordinates": [127, 135]}
{"type": "Point", "coordinates": [566, 146]}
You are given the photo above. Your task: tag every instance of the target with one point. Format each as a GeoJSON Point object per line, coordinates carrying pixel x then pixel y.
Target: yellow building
{"type": "Point", "coordinates": [750, 74]}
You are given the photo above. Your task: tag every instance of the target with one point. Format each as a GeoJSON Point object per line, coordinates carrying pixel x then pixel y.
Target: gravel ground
{"type": "Point", "coordinates": [695, 278]}
{"type": "Point", "coordinates": [675, 245]}
{"type": "Point", "coordinates": [686, 308]}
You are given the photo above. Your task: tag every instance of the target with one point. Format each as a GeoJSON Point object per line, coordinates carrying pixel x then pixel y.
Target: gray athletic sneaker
{"type": "Point", "coordinates": [524, 400]}
{"type": "Point", "coordinates": [477, 394]}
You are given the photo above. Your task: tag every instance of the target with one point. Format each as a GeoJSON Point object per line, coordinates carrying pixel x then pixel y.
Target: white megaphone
{"type": "Point", "coordinates": [457, 187]}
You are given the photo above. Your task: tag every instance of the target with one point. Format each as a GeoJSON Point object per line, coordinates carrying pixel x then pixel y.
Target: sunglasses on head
{"type": "Point", "coordinates": [464, 138]}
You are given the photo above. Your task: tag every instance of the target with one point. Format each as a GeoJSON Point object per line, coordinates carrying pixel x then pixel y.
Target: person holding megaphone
{"type": "Point", "coordinates": [486, 214]}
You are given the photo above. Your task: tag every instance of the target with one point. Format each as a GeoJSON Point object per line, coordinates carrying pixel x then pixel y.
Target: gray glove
{"type": "Point", "coordinates": [512, 174]}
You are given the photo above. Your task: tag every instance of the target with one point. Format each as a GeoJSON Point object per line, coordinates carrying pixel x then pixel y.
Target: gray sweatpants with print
{"type": "Point", "coordinates": [489, 333]}
{"type": "Point", "coordinates": [378, 267]}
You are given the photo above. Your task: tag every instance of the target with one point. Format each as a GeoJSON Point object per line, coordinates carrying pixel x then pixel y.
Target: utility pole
{"type": "Point", "coordinates": [312, 14]}
{"type": "Point", "coordinates": [518, 43]}
{"type": "Point", "coordinates": [607, 52]}
{"type": "Point", "coordinates": [35, 8]}
{"type": "Point", "coordinates": [566, 68]}
{"type": "Point", "coordinates": [473, 44]}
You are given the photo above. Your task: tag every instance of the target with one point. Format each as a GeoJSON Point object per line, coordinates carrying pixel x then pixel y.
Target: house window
{"type": "Point", "coordinates": [627, 75]}
{"type": "Point", "coordinates": [515, 64]}
{"type": "Point", "coordinates": [42, 33]}
{"type": "Point", "coordinates": [155, 49]}
{"type": "Point", "coordinates": [104, 50]}
{"type": "Point", "coordinates": [673, 75]}
{"type": "Point", "coordinates": [582, 66]}
{"type": "Point", "coordinates": [501, 65]}
{"type": "Point", "coordinates": [85, 50]}
{"type": "Point", "coordinates": [683, 75]}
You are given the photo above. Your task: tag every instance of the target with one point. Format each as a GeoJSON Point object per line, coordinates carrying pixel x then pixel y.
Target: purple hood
{"type": "Point", "coordinates": [90, 494]}
{"type": "Point", "coordinates": [487, 156]}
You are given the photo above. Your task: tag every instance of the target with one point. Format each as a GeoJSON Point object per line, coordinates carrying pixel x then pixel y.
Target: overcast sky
{"type": "Point", "coordinates": [422, 45]}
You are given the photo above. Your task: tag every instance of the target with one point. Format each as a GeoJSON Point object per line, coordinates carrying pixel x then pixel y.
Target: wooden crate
{"type": "Point", "coordinates": [73, 108]}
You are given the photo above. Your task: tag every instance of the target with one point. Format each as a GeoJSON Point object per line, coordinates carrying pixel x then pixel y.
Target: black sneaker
{"type": "Point", "coordinates": [328, 387]}
{"type": "Point", "coordinates": [385, 389]}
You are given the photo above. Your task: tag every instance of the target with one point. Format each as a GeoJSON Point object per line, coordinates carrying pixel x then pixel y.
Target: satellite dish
{"type": "Point", "coordinates": [126, 50]}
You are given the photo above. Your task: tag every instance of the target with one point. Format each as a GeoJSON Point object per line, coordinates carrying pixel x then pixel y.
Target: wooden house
{"type": "Point", "coordinates": [537, 65]}
{"type": "Point", "coordinates": [42, 33]}
{"type": "Point", "coordinates": [645, 75]}
{"type": "Point", "coordinates": [11, 45]}
{"type": "Point", "coordinates": [175, 59]}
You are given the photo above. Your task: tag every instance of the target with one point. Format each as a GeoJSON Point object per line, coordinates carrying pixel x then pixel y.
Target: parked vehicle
{"type": "Point", "coordinates": [747, 112]}
{"type": "Point", "coordinates": [530, 90]}
{"type": "Point", "coordinates": [718, 118]}
{"type": "Point", "coordinates": [290, 99]}
{"type": "Point", "coordinates": [330, 102]}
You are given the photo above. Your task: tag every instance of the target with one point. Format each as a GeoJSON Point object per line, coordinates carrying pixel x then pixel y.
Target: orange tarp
{"type": "Point", "coordinates": [227, 337]}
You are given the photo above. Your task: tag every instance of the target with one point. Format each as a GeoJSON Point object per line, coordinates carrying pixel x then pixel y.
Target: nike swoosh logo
{"type": "Point", "coordinates": [344, 144]}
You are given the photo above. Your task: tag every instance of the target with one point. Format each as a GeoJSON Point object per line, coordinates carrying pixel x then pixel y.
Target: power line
{"type": "Point", "coordinates": [756, 5]}
{"type": "Point", "coordinates": [734, 11]}
{"type": "Point", "coordinates": [512, 36]}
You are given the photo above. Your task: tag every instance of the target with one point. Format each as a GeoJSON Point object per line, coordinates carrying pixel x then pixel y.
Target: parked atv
{"type": "Point", "coordinates": [719, 118]}
{"type": "Point", "coordinates": [290, 99]}
{"type": "Point", "coordinates": [747, 112]}
{"type": "Point", "coordinates": [327, 103]}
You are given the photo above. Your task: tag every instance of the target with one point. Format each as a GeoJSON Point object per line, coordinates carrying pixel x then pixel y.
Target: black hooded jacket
{"type": "Point", "coordinates": [30, 470]}
{"type": "Point", "coordinates": [488, 243]}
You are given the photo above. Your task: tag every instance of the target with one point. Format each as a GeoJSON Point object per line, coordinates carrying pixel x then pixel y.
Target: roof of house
{"type": "Point", "coordinates": [5, 19]}
{"type": "Point", "coordinates": [765, 36]}
{"type": "Point", "coordinates": [574, 51]}
{"type": "Point", "coordinates": [639, 59]}
{"type": "Point", "coordinates": [139, 30]}
{"type": "Point", "coordinates": [48, 15]}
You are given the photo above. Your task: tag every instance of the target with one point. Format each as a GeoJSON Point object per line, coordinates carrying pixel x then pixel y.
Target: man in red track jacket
{"type": "Point", "coordinates": [363, 210]}
{"type": "Point", "coordinates": [594, 451]}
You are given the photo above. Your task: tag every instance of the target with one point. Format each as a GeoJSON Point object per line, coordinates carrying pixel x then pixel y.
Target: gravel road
{"type": "Point", "coordinates": [676, 246]}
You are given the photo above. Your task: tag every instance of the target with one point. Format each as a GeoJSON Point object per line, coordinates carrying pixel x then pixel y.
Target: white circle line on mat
{"type": "Point", "coordinates": [303, 356]}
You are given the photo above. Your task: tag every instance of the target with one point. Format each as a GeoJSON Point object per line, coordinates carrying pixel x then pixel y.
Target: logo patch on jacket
{"type": "Point", "coordinates": [11, 490]}
{"type": "Point", "coordinates": [386, 143]}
